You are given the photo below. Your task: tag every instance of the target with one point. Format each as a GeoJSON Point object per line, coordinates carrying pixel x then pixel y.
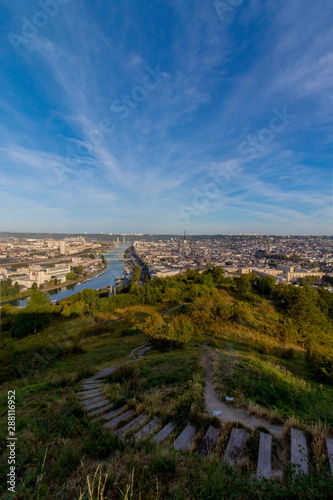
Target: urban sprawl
{"type": "Point", "coordinates": [289, 259]}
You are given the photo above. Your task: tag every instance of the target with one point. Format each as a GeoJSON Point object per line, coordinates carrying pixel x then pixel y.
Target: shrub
{"type": "Point", "coordinates": [320, 358]}
{"type": "Point", "coordinates": [98, 444]}
{"type": "Point", "coordinates": [122, 374]}
{"type": "Point", "coordinates": [136, 329]}
{"type": "Point", "coordinates": [288, 353]}
{"type": "Point", "coordinates": [129, 376]}
{"type": "Point", "coordinates": [242, 313]}
{"type": "Point", "coordinates": [165, 336]}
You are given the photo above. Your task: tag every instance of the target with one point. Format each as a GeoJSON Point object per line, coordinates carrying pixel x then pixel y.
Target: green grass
{"type": "Point", "coordinates": [172, 368]}
{"type": "Point", "coordinates": [272, 386]}
{"type": "Point", "coordinates": [58, 353]}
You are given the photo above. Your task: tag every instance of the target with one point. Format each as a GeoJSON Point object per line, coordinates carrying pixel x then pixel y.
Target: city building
{"type": "Point", "coordinates": [63, 247]}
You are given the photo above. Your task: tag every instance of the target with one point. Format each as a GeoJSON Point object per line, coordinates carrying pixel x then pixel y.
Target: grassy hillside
{"type": "Point", "coordinates": [266, 369]}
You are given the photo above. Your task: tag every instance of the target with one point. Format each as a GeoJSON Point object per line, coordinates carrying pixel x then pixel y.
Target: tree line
{"type": "Point", "coordinates": [305, 313]}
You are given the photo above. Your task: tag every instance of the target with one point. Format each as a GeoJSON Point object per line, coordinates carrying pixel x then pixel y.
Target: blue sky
{"type": "Point", "coordinates": [161, 116]}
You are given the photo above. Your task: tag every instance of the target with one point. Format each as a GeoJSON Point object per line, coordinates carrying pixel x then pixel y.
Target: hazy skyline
{"type": "Point", "coordinates": [168, 116]}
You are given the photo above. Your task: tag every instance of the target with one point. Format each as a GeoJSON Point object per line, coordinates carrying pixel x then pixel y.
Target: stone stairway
{"type": "Point", "coordinates": [100, 409]}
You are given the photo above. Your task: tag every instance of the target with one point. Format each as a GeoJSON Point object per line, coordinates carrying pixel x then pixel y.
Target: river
{"type": "Point", "coordinates": [114, 269]}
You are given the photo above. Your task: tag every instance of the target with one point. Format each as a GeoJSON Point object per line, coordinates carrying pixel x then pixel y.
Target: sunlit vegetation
{"type": "Point", "coordinates": [273, 354]}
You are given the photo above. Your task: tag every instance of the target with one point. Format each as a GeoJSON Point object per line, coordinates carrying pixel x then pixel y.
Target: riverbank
{"type": "Point", "coordinates": [45, 289]}
{"type": "Point", "coordinates": [114, 262]}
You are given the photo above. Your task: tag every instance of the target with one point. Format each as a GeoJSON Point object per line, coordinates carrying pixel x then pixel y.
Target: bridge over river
{"type": "Point", "coordinates": [114, 269]}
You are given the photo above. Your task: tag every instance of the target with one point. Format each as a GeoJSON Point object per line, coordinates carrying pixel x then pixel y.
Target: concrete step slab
{"type": "Point", "coordinates": [164, 433]}
{"type": "Point", "coordinates": [85, 390]}
{"type": "Point", "coordinates": [147, 429]}
{"type": "Point", "coordinates": [264, 456]}
{"type": "Point", "coordinates": [89, 394]}
{"type": "Point", "coordinates": [133, 424]}
{"type": "Point", "coordinates": [101, 410]}
{"type": "Point", "coordinates": [99, 404]}
{"type": "Point", "coordinates": [92, 400]}
{"type": "Point", "coordinates": [185, 439]}
{"type": "Point", "coordinates": [103, 373]}
{"type": "Point", "coordinates": [235, 445]}
{"type": "Point", "coordinates": [329, 446]}
{"type": "Point", "coordinates": [299, 451]}
{"type": "Point", "coordinates": [87, 387]}
{"type": "Point", "coordinates": [208, 442]}
{"type": "Point", "coordinates": [112, 414]}
{"type": "Point", "coordinates": [115, 421]}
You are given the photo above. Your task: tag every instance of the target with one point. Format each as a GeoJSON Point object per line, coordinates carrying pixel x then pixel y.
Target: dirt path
{"type": "Point", "coordinates": [228, 412]}
{"type": "Point", "coordinates": [138, 352]}
{"type": "Point", "coordinates": [174, 308]}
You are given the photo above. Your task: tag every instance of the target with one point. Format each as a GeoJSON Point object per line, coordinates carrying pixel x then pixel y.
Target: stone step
{"type": "Point", "coordinates": [115, 421]}
{"type": "Point", "coordinates": [148, 429]}
{"type": "Point", "coordinates": [106, 371]}
{"type": "Point", "coordinates": [90, 381]}
{"type": "Point", "coordinates": [133, 424]}
{"type": "Point", "coordinates": [103, 409]}
{"type": "Point", "coordinates": [90, 387]}
{"type": "Point", "coordinates": [185, 439]}
{"type": "Point", "coordinates": [264, 456]}
{"type": "Point", "coordinates": [329, 446]}
{"type": "Point", "coordinates": [93, 406]}
{"type": "Point", "coordinates": [236, 445]}
{"type": "Point", "coordinates": [112, 414]}
{"type": "Point", "coordinates": [299, 451]}
{"type": "Point", "coordinates": [208, 442]}
{"type": "Point", "coordinates": [103, 373]}
{"type": "Point", "coordinates": [92, 400]}
{"type": "Point", "coordinates": [89, 394]}
{"type": "Point", "coordinates": [164, 433]}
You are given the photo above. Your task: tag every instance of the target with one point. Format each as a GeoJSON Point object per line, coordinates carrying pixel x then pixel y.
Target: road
{"type": "Point", "coordinates": [137, 262]}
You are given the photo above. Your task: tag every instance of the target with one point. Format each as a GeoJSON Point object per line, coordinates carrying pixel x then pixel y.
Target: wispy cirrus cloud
{"type": "Point", "coordinates": [221, 82]}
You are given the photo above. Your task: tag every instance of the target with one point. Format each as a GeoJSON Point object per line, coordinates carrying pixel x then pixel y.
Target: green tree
{"type": "Point", "coordinates": [70, 276]}
{"type": "Point", "coordinates": [243, 284]}
{"type": "Point", "coordinates": [184, 329]}
{"type": "Point", "coordinates": [265, 285]}
{"type": "Point", "coordinates": [165, 336]}
{"type": "Point", "coordinates": [7, 314]}
{"type": "Point", "coordinates": [16, 288]}
{"type": "Point", "coordinates": [136, 275]}
{"type": "Point", "coordinates": [78, 269]}
{"type": "Point", "coordinates": [308, 280]}
{"type": "Point", "coordinates": [33, 317]}
{"type": "Point", "coordinates": [207, 280]}
{"type": "Point", "coordinates": [34, 287]}
{"type": "Point", "coordinates": [286, 331]}
{"type": "Point", "coordinates": [302, 305]}
{"type": "Point", "coordinates": [216, 272]}
{"type": "Point", "coordinates": [89, 297]}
